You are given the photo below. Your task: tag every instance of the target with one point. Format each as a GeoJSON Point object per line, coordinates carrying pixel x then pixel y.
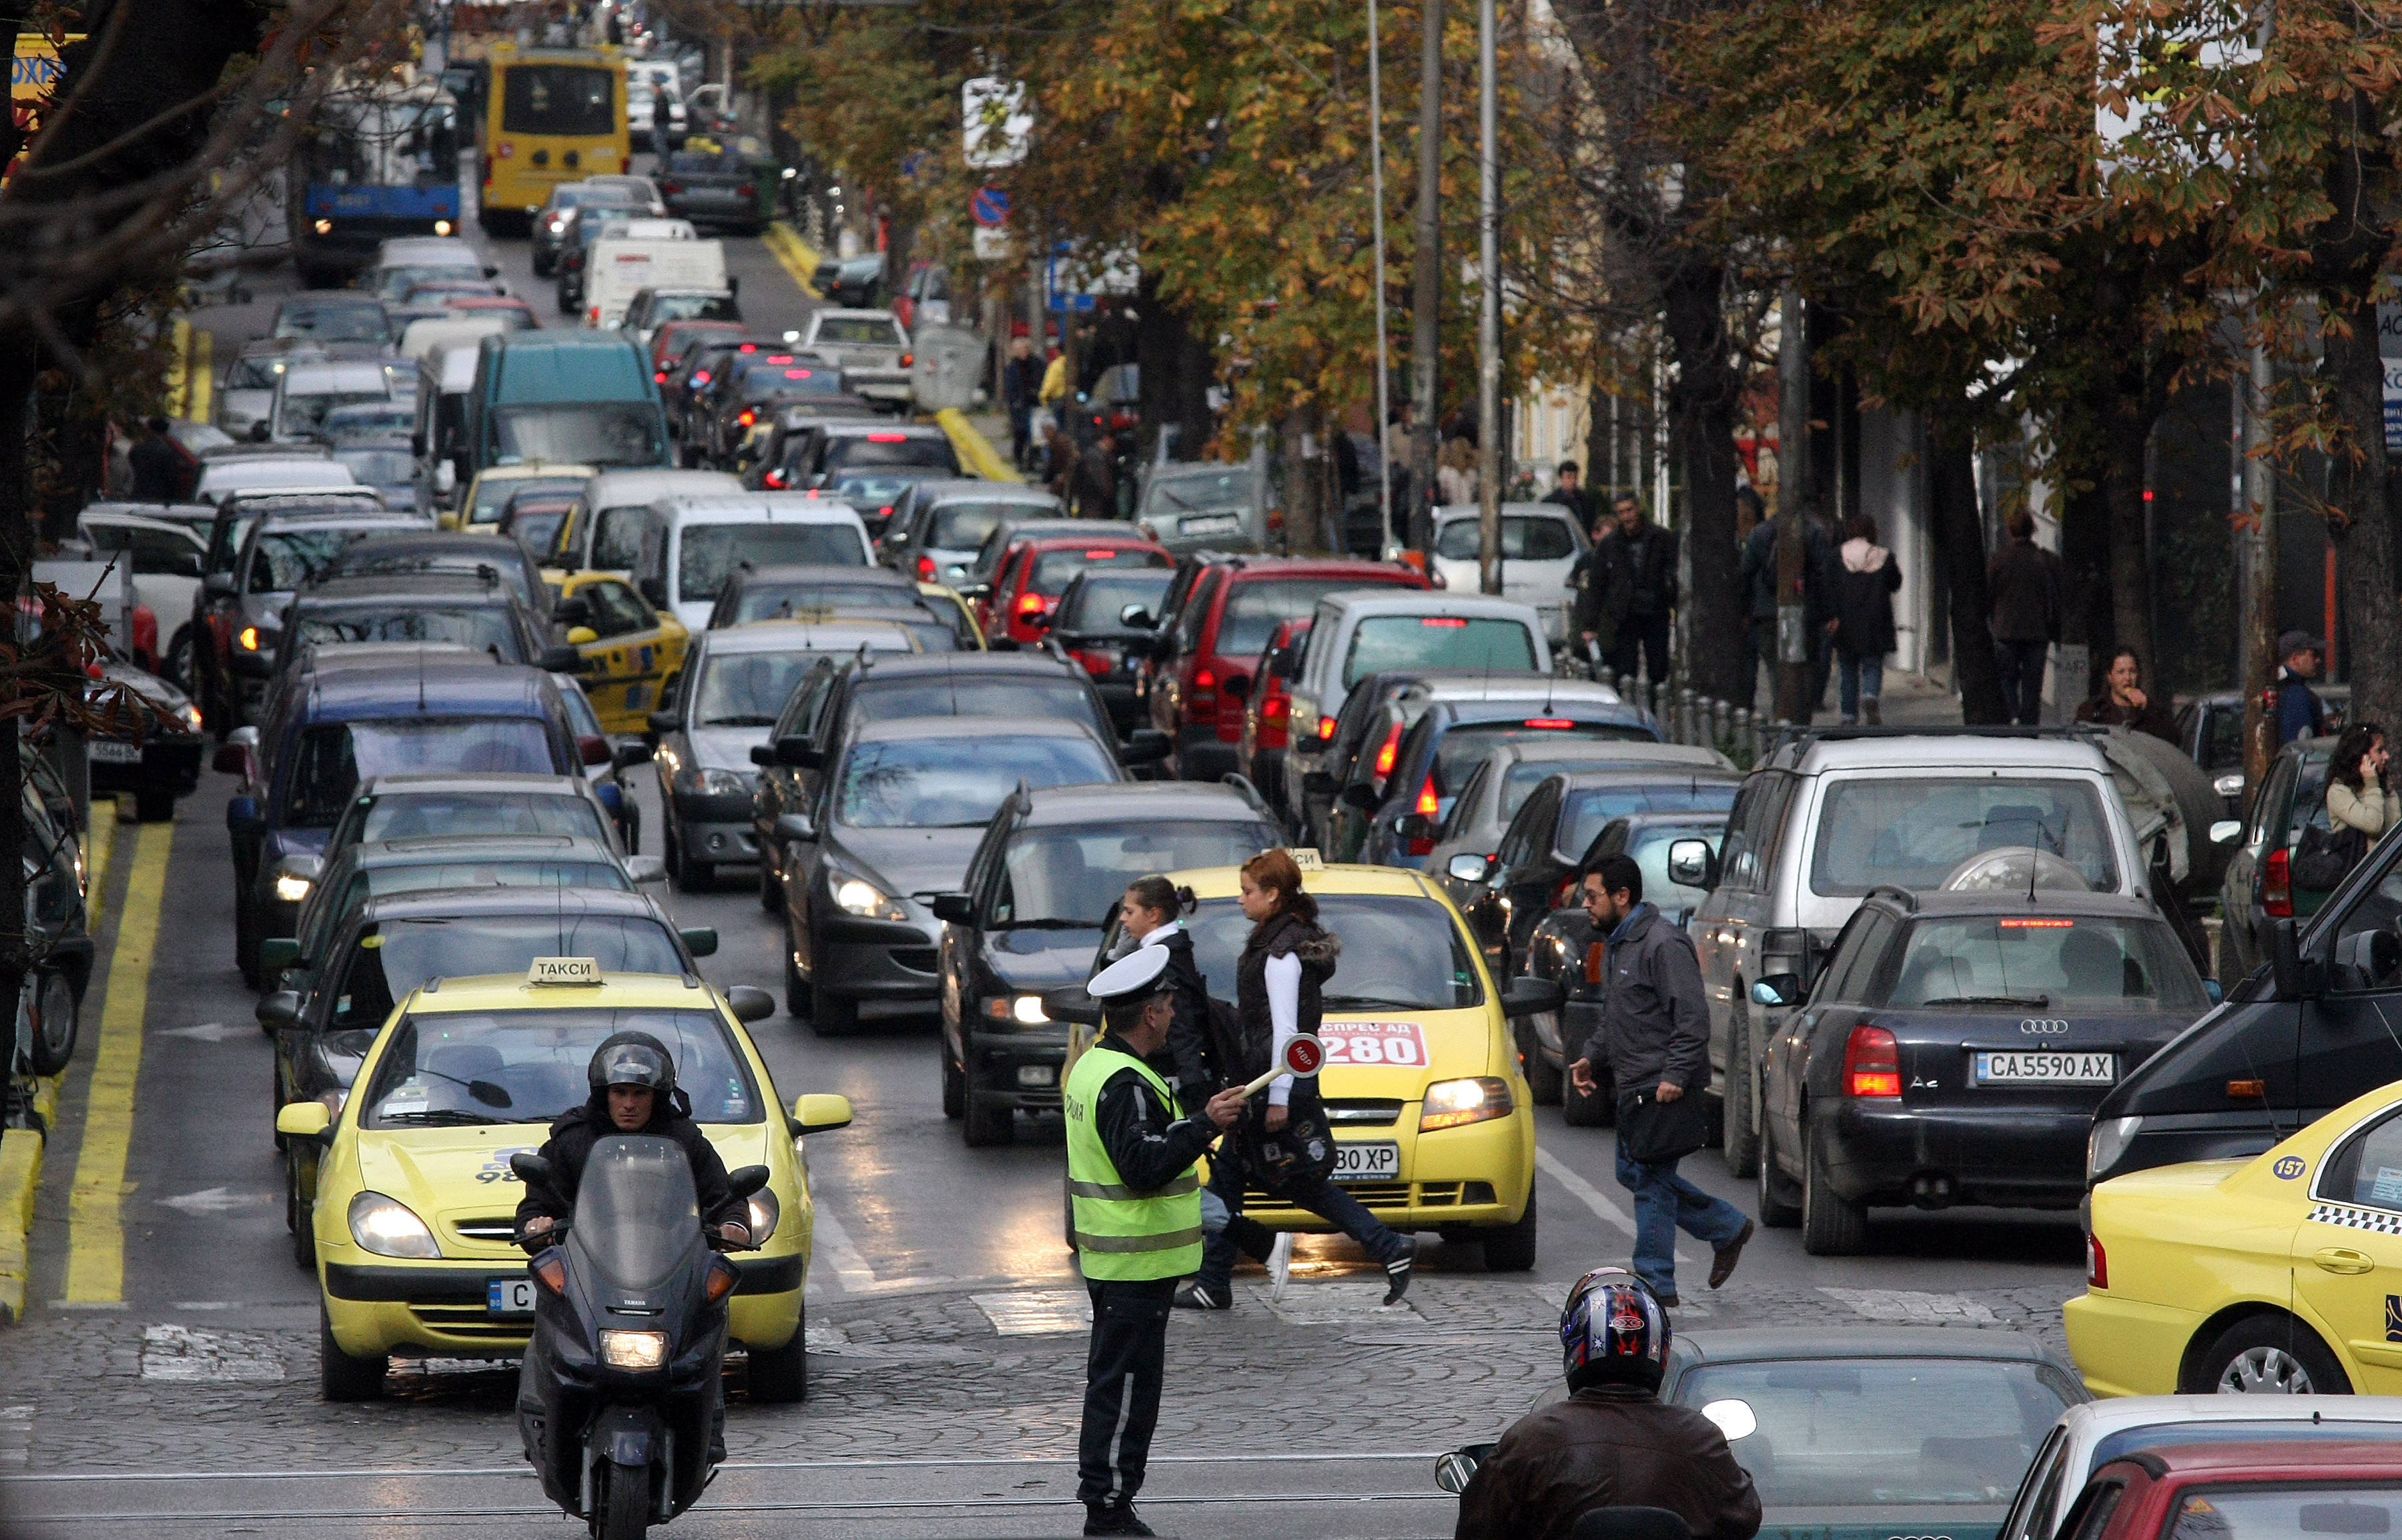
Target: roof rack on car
{"type": "Point", "coordinates": [1902, 897]}
{"type": "Point", "coordinates": [1796, 734]}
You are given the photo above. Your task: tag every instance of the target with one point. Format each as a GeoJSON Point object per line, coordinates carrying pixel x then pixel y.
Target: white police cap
{"type": "Point", "coordinates": [1136, 973]}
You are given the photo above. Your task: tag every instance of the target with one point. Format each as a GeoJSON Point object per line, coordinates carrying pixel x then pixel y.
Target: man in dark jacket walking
{"type": "Point", "coordinates": [2300, 709]}
{"type": "Point", "coordinates": [1097, 478]}
{"type": "Point", "coordinates": [1628, 599]}
{"type": "Point", "coordinates": [1021, 381]}
{"type": "Point", "coordinates": [1655, 1038]}
{"type": "Point", "coordinates": [1570, 492]}
{"type": "Point", "coordinates": [158, 462]}
{"type": "Point", "coordinates": [2025, 581]}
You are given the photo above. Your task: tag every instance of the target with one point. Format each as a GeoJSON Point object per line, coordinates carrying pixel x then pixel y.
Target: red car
{"type": "Point", "coordinates": [2259, 1490]}
{"type": "Point", "coordinates": [1267, 716]}
{"type": "Point", "coordinates": [1036, 569]}
{"type": "Point", "coordinates": [668, 342]}
{"type": "Point", "coordinates": [1219, 615]}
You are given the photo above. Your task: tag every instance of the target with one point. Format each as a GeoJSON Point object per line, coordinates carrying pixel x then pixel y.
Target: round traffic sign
{"type": "Point", "coordinates": [988, 207]}
{"type": "Point", "coordinates": [1305, 1056]}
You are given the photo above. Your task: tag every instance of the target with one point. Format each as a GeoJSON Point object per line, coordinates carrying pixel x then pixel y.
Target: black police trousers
{"type": "Point", "coordinates": [1122, 1374]}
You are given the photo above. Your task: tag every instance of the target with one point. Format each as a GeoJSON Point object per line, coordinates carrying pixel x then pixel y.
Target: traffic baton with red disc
{"type": "Point", "coordinates": [1304, 1057]}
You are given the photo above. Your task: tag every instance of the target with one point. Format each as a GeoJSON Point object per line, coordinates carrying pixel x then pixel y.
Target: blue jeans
{"type": "Point", "coordinates": [1222, 1237]}
{"type": "Point", "coordinates": [1666, 1202]}
{"type": "Point", "coordinates": [1859, 677]}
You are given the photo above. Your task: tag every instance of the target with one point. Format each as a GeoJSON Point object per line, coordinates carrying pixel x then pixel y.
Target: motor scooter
{"type": "Point", "coordinates": [619, 1401]}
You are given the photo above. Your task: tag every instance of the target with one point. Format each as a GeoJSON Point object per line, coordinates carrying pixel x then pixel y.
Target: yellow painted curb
{"type": "Point", "coordinates": [20, 1177]}
{"type": "Point", "coordinates": [974, 448]}
{"type": "Point", "coordinates": [795, 256]}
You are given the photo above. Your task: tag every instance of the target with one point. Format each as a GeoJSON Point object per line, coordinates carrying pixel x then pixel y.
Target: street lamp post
{"type": "Point", "coordinates": [1384, 365]}
{"type": "Point", "coordinates": [1488, 313]}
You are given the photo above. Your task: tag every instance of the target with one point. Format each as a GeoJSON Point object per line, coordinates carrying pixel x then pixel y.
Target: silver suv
{"type": "Point", "coordinates": [1829, 816]}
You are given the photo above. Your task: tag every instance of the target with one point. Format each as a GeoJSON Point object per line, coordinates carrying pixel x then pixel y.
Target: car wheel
{"type": "Point", "coordinates": [1741, 1098]}
{"type": "Point", "coordinates": [781, 1374]}
{"type": "Point", "coordinates": [178, 667]}
{"type": "Point", "coordinates": [1510, 1248]}
{"type": "Point", "coordinates": [1831, 1223]}
{"type": "Point", "coordinates": [154, 806]}
{"type": "Point", "coordinates": [2267, 1354]}
{"type": "Point", "coordinates": [830, 1015]}
{"type": "Point", "coordinates": [300, 1205]}
{"type": "Point", "coordinates": [1594, 1109]}
{"type": "Point", "coordinates": [982, 1124]}
{"type": "Point", "coordinates": [53, 1035]}
{"type": "Point", "coordinates": [245, 944]}
{"type": "Point", "coordinates": [1543, 1078]}
{"type": "Point", "coordinates": [797, 989]}
{"type": "Point", "coordinates": [955, 1084]}
{"type": "Point", "coordinates": [1779, 1205]}
{"type": "Point", "coordinates": [341, 1377]}
{"type": "Point", "coordinates": [691, 876]}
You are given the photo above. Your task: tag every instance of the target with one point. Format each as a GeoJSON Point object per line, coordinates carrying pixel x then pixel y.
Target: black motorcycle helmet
{"type": "Point", "coordinates": [632, 1058]}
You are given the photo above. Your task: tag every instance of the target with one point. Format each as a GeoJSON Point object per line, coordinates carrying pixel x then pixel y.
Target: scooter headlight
{"type": "Point", "coordinates": [764, 1212]}
{"type": "Point", "coordinates": [386, 1226]}
{"type": "Point", "coordinates": [634, 1349]}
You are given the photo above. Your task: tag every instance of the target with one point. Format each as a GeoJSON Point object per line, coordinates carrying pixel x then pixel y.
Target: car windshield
{"type": "Point", "coordinates": [1104, 596]}
{"type": "Point", "coordinates": [1588, 811]}
{"type": "Point", "coordinates": [304, 416]}
{"type": "Point", "coordinates": [963, 526]}
{"type": "Point", "coordinates": [865, 449]}
{"type": "Point", "coordinates": [1882, 1432]}
{"type": "Point", "coordinates": [1465, 747]}
{"type": "Point", "coordinates": [2046, 962]}
{"type": "Point", "coordinates": [374, 421]}
{"type": "Point", "coordinates": [780, 600]}
{"type": "Point", "coordinates": [417, 815]}
{"type": "Point", "coordinates": [1256, 606]}
{"type": "Point", "coordinates": [1382, 642]}
{"type": "Point", "coordinates": [1053, 569]}
{"type": "Point", "coordinates": [339, 321]}
{"type": "Point", "coordinates": [365, 558]}
{"type": "Point", "coordinates": [332, 758]}
{"type": "Point", "coordinates": [927, 783]}
{"type": "Point", "coordinates": [694, 307]}
{"type": "Point", "coordinates": [1524, 538]}
{"type": "Point", "coordinates": [394, 957]}
{"type": "Point", "coordinates": [483, 627]}
{"type": "Point", "coordinates": [539, 1058]}
{"type": "Point", "coordinates": [1226, 491]}
{"type": "Point", "coordinates": [1912, 832]}
{"type": "Point", "coordinates": [587, 432]}
{"type": "Point", "coordinates": [493, 493]}
{"type": "Point", "coordinates": [882, 488]}
{"type": "Point", "coordinates": [538, 530]}
{"type": "Point", "coordinates": [763, 381]}
{"type": "Point", "coordinates": [1067, 878]}
{"type": "Point", "coordinates": [2263, 1512]}
{"type": "Point", "coordinates": [380, 467]}
{"type": "Point", "coordinates": [951, 695]}
{"type": "Point", "coordinates": [870, 329]}
{"type": "Point", "coordinates": [707, 553]}
{"type": "Point", "coordinates": [748, 689]}
{"type": "Point", "coordinates": [286, 558]}
{"type": "Point", "coordinates": [1400, 952]}
{"type": "Point", "coordinates": [576, 101]}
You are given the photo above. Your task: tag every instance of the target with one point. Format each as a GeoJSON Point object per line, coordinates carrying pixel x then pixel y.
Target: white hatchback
{"type": "Point", "coordinates": [1541, 543]}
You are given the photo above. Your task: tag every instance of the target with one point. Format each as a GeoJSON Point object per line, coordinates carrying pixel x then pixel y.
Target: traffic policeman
{"type": "Point", "coordinates": [1137, 1219]}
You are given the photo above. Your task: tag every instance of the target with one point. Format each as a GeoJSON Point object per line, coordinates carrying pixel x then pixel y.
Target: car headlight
{"type": "Point", "coordinates": [764, 1212]}
{"type": "Point", "coordinates": [386, 1226]}
{"type": "Point", "coordinates": [634, 1349]}
{"type": "Point", "coordinates": [858, 896]}
{"type": "Point", "coordinates": [2229, 785]}
{"type": "Point", "coordinates": [2107, 1142]}
{"type": "Point", "coordinates": [1450, 1104]}
{"type": "Point", "coordinates": [190, 717]}
{"type": "Point", "coordinates": [292, 890]}
{"type": "Point", "coordinates": [1025, 1010]}
{"type": "Point", "coordinates": [702, 780]}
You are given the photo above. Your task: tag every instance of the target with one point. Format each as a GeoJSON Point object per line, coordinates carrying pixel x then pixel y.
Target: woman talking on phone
{"type": "Point", "coordinates": [1283, 1144]}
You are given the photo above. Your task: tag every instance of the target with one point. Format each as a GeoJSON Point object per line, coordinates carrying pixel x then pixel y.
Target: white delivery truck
{"type": "Point", "coordinates": [621, 266]}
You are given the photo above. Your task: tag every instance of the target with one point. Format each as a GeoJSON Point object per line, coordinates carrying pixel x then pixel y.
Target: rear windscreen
{"type": "Point", "coordinates": [971, 696]}
{"type": "Point", "coordinates": [331, 759]}
{"type": "Point", "coordinates": [561, 99]}
{"type": "Point", "coordinates": [1438, 641]}
{"type": "Point", "coordinates": [1595, 807]}
{"type": "Point", "coordinates": [892, 450]}
{"type": "Point", "coordinates": [1523, 538]}
{"type": "Point", "coordinates": [782, 600]}
{"type": "Point", "coordinates": [963, 526]}
{"type": "Point", "coordinates": [1257, 607]}
{"type": "Point", "coordinates": [1053, 569]}
{"type": "Point", "coordinates": [1465, 747]}
{"type": "Point", "coordinates": [707, 553]}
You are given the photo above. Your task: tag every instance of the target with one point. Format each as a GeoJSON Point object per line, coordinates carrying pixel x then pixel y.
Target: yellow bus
{"type": "Point", "coordinates": [550, 115]}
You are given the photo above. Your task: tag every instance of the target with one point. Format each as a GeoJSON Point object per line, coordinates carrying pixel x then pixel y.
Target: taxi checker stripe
{"type": "Point", "coordinates": [1168, 1241]}
{"type": "Point", "coordinates": [1177, 1188]}
{"type": "Point", "coordinates": [2357, 1219]}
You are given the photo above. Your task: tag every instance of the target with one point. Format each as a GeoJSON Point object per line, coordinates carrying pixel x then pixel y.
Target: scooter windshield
{"type": "Point", "coordinates": [637, 1213]}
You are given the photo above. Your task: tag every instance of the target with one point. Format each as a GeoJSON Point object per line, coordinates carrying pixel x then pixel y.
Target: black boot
{"type": "Point", "coordinates": [1397, 1274]}
{"type": "Point", "coordinates": [1113, 1519]}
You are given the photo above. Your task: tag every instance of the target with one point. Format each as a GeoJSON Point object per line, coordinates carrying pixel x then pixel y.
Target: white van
{"type": "Point", "coordinates": [422, 336]}
{"type": "Point", "coordinates": [605, 534]}
{"type": "Point", "coordinates": [444, 377]}
{"type": "Point", "coordinates": [305, 392]}
{"type": "Point", "coordinates": [1362, 631]}
{"type": "Point", "coordinates": [692, 544]}
{"type": "Point", "coordinates": [621, 266]}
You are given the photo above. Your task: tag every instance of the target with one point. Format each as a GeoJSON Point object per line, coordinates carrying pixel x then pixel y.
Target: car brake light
{"type": "Point", "coordinates": [1029, 604]}
{"type": "Point", "coordinates": [1872, 1063]}
{"type": "Point", "coordinates": [1276, 709]}
{"type": "Point", "coordinates": [1428, 803]}
{"type": "Point", "coordinates": [700, 377]}
{"type": "Point", "coordinates": [1550, 724]}
{"type": "Point", "coordinates": [888, 438]}
{"type": "Point", "coordinates": [671, 188]}
{"type": "Point", "coordinates": [1096, 663]}
{"type": "Point", "coordinates": [1448, 622]}
{"type": "Point", "coordinates": [658, 377]}
{"type": "Point", "coordinates": [746, 347]}
{"type": "Point", "coordinates": [596, 315]}
{"type": "Point", "coordinates": [1325, 728]}
{"type": "Point", "coordinates": [2097, 1264]}
{"type": "Point", "coordinates": [885, 512]}
{"type": "Point", "coordinates": [2036, 925]}
{"type": "Point", "coordinates": [1385, 754]}
{"type": "Point", "coordinates": [747, 418]}
{"type": "Point", "coordinates": [1204, 680]}
{"type": "Point", "coordinates": [925, 569]}
{"type": "Point", "coordinates": [774, 478]}
{"type": "Point", "coordinates": [2277, 885]}
{"type": "Point", "coordinates": [909, 359]}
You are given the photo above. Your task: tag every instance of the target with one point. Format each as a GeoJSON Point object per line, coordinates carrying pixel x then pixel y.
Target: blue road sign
{"type": "Point", "coordinates": [989, 208]}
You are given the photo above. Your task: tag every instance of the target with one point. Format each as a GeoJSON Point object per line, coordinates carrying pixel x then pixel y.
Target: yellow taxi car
{"type": "Point", "coordinates": [487, 496]}
{"type": "Point", "coordinates": [1433, 1125]}
{"type": "Point", "coordinates": [953, 606]}
{"type": "Point", "coordinates": [2279, 1273]}
{"type": "Point", "coordinates": [416, 1203]}
{"type": "Point", "coordinates": [630, 647]}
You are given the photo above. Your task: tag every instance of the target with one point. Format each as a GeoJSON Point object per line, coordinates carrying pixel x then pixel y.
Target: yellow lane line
{"type": "Point", "coordinates": [795, 256]}
{"type": "Point", "coordinates": [100, 844]}
{"type": "Point", "coordinates": [974, 448]}
{"type": "Point", "coordinates": [95, 1203]}
{"type": "Point", "coordinates": [199, 376]}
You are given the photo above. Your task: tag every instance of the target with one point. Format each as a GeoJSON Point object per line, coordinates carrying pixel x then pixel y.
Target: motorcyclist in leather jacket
{"type": "Point", "coordinates": [633, 1093]}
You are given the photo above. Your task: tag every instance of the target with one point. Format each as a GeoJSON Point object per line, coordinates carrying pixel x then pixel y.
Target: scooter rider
{"type": "Point", "coordinates": [633, 1092]}
{"type": "Point", "coordinates": [1613, 1442]}
{"type": "Point", "coordinates": [1138, 1221]}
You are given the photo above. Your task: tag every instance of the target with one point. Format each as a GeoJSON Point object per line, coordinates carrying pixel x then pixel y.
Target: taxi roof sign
{"type": "Point", "coordinates": [1306, 857]}
{"type": "Point", "coordinates": [563, 971]}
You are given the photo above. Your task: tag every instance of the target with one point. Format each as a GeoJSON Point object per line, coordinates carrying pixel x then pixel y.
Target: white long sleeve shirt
{"type": "Point", "coordinates": [1284, 1015]}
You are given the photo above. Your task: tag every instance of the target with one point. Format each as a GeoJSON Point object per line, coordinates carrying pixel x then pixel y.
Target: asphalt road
{"type": "Point", "coordinates": [180, 1398]}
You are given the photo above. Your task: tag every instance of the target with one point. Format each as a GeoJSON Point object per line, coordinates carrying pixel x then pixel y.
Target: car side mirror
{"type": "Point", "coordinates": [763, 754]}
{"type": "Point", "coordinates": [253, 665]}
{"type": "Point", "coordinates": [278, 953]}
{"type": "Point", "coordinates": [627, 755]}
{"type": "Point", "coordinates": [1454, 1471]}
{"type": "Point", "coordinates": [820, 1113]}
{"type": "Point", "coordinates": [230, 759]}
{"type": "Point", "coordinates": [1318, 783]}
{"type": "Point", "coordinates": [798, 828]}
{"type": "Point", "coordinates": [798, 752]}
{"type": "Point", "coordinates": [699, 940]}
{"type": "Point", "coordinates": [1468, 868]}
{"type": "Point", "coordinates": [593, 749]}
{"type": "Point", "coordinates": [559, 660]}
{"type": "Point", "coordinates": [219, 585]}
{"type": "Point", "coordinates": [313, 1120]}
{"type": "Point", "coordinates": [662, 721]}
{"type": "Point", "coordinates": [580, 636]}
{"type": "Point", "coordinates": [656, 591]}
{"type": "Point", "coordinates": [646, 868]}
{"type": "Point", "coordinates": [417, 445]}
{"type": "Point", "coordinates": [1073, 1005]}
{"type": "Point", "coordinates": [749, 1004]}
{"type": "Point", "coordinates": [259, 432]}
{"type": "Point", "coordinates": [1145, 745]}
{"type": "Point", "coordinates": [2286, 967]}
{"type": "Point", "coordinates": [529, 1167]}
{"type": "Point", "coordinates": [2225, 831]}
{"type": "Point", "coordinates": [241, 813]}
{"type": "Point", "coordinates": [1693, 864]}
{"type": "Point", "coordinates": [1363, 796]}
{"type": "Point", "coordinates": [742, 1181]}
{"type": "Point", "coordinates": [958, 908]}
{"type": "Point", "coordinates": [1531, 997]}
{"type": "Point", "coordinates": [281, 1009]}
{"type": "Point", "coordinates": [1777, 990]}
{"type": "Point", "coordinates": [574, 609]}
{"type": "Point", "coordinates": [1414, 826]}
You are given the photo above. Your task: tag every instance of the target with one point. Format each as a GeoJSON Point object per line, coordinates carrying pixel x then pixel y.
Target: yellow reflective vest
{"type": "Point", "coordinates": [1121, 1234]}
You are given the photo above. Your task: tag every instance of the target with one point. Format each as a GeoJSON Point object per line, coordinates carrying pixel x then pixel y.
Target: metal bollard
{"type": "Point", "coordinates": [1742, 747]}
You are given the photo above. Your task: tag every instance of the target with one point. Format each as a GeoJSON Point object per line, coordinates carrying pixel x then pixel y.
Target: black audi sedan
{"type": "Point", "coordinates": [1040, 889]}
{"type": "Point", "coordinates": [1954, 1048]}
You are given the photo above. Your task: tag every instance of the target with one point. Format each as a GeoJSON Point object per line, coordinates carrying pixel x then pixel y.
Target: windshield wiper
{"type": "Point", "coordinates": [445, 1117]}
{"type": "Point", "coordinates": [2035, 1002]}
{"type": "Point", "coordinates": [1370, 1002]}
{"type": "Point", "coordinates": [739, 721]}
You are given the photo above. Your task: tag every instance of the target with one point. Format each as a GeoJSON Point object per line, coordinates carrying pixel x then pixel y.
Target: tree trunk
{"type": "Point", "coordinates": [1960, 544]}
{"type": "Point", "coordinates": [1701, 407]}
{"type": "Point", "coordinates": [1177, 370]}
{"type": "Point", "coordinates": [2356, 521]}
{"type": "Point", "coordinates": [2088, 617]}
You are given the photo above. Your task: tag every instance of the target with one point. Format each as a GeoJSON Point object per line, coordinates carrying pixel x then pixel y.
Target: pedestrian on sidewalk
{"type": "Point", "coordinates": [158, 464]}
{"type": "Point", "coordinates": [2023, 579]}
{"type": "Point", "coordinates": [1655, 1038]}
{"type": "Point", "coordinates": [1284, 1148]}
{"type": "Point", "coordinates": [1570, 492]}
{"type": "Point", "coordinates": [1865, 584]}
{"type": "Point", "coordinates": [1058, 461]}
{"type": "Point", "coordinates": [1097, 478]}
{"type": "Point", "coordinates": [1455, 477]}
{"type": "Point", "coordinates": [1021, 383]}
{"type": "Point", "coordinates": [1631, 591]}
{"type": "Point", "coordinates": [1757, 574]}
{"type": "Point", "coordinates": [2124, 702]}
{"type": "Point", "coordinates": [1136, 1205]}
{"type": "Point", "coordinates": [662, 116]}
{"type": "Point", "coordinates": [2300, 713]}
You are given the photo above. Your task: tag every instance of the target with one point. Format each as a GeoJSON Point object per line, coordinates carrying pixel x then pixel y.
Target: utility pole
{"type": "Point", "coordinates": [1488, 311]}
{"type": "Point", "coordinates": [1793, 662]}
{"type": "Point", "coordinates": [1384, 363]}
{"type": "Point", "coordinates": [2259, 578]}
{"type": "Point", "coordinates": [1426, 276]}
